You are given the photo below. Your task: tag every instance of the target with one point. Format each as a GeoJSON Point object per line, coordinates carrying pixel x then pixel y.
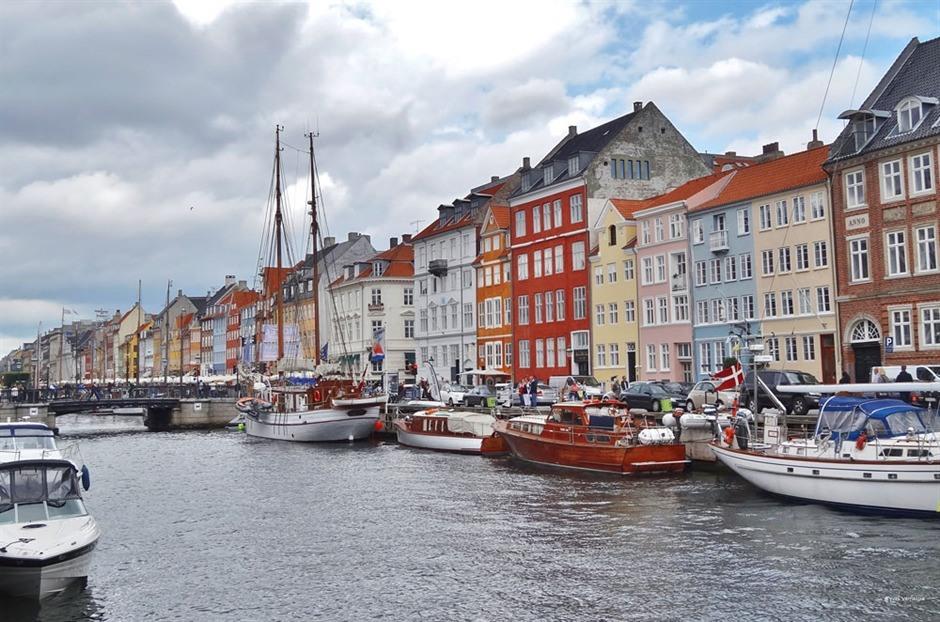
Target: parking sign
{"type": "Point", "coordinates": [889, 344]}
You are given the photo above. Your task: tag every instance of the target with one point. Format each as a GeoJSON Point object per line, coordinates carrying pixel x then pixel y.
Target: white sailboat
{"type": "Point", "coordinates": [336, 407]}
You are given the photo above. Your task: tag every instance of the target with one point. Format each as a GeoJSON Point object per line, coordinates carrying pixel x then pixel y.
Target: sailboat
{"type": "Point", "coordinates": [335, 407]}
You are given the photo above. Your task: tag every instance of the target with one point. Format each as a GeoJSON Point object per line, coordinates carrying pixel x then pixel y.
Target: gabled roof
{"type": "Point", "coordinates": [400, 260]}
{"type": "Point", "coordinates": [628, 207]}
{"type": "Point", "coordinates": [789, 172]}
{"type": "Point", "coordinates": [436, 228]}
{"type": "Point", "coordinates": [500, 216]}
{"type": "Point", "coordinates": [687, 190]}
{"type": "Point", "coordinates": [915, 73]}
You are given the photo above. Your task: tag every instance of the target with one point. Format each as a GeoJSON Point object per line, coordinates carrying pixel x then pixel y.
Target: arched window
{"type": "Point", "coordinates": [612, 235]}
{"type": "Point", "coordinates": [910, 113]}
{"type": "Point", "coordinates": [865, 330]}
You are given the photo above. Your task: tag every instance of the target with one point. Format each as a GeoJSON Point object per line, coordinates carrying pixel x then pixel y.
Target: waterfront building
{"type": "Point", "coordinates": [213, 323]}
{"type": "Point", "coordinates": [372, 298]}
{"type": "Point", "coordinates": [248, 334]}
{"type": "Point", "coordinates": [635, 156]}
{"type": "Point", "coordinates": [494, 292]}
{"type": "Point", "coordinates": [883, 172]}
{"type": "Point", "coordinates": [237, 302]}
{"type": "Point", "coordinates": [123, 342]}
{"type": "Point", "coordinates": [445, 251]}
{"type": "Point", "coordinates": [663, 305]}
{"type": "Point", "coordinates": [166, 329]}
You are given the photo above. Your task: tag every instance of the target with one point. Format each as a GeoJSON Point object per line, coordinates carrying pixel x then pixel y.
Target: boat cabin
{"type": "Point", "coordinates": [39, 490]}
{"type": "Point", "coordinates": [15, 437]}
{"type": "Point", "coordinates": [848, 417]}
{"type": "Point", "coordinates": [606, 414]}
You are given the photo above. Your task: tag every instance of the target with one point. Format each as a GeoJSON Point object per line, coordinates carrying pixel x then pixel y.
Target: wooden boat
{"type": "Point", "coordinates": [598, 435]}
{"type": "Point", "coordinates": [461, 432]}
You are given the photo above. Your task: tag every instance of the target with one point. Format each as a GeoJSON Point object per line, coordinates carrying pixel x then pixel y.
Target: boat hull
{"type": "Point", "coordinates": [439, 442]}
{"type": "Point", "coordinates": [325, 425]}
{"type": "Point", "coordinates": [28, 579]}
{"type": "Point", "coordinates": [904, 487]}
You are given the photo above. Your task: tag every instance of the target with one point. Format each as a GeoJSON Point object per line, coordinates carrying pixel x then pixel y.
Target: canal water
{"type": "Point", "coordinates": [219, 526]}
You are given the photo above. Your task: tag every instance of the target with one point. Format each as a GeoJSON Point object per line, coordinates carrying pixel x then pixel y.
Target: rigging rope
{"type": "Point", "coordinates": [861, 61]}
{"type": "Point", "coordinates": [834, 61]}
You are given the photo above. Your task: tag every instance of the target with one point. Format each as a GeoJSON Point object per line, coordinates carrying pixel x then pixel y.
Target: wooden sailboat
{"type": "Point", "coordinates": [335, 407]}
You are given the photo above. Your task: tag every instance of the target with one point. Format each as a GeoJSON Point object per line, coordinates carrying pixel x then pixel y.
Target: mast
{"type": "Point", "coordinates": [314, 234]}
{"type": "Point", "coordinates": [165, 347]}
{"type": "Point", "coordinates": [277, 242]}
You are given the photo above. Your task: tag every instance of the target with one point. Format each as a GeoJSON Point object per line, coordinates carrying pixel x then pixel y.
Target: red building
{"type": "Point", "coordinates": [235, 303]}
{"type": "Point", "coordinates": [635, 156]}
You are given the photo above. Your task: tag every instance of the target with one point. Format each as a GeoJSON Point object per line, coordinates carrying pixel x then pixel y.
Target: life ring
{"type": "Point", "coordinates": [317, 396]}
{"type": "Point", "coordinates": [861, 441]}
{"type": "Point", "coordinates": [250, 404]}
{"type": "Point", "coordinates": [729, 435]}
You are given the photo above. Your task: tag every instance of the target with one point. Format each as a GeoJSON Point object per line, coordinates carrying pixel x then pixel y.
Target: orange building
{"type": "Point", "coordinates": [494, 292]}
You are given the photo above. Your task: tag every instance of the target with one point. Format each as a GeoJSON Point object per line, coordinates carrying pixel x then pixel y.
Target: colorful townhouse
{"type": "Point", "coordinates": [663, 305]}
{"type": "Point", "coordinates": [238, 301]}
{"type": "Point", "coordinates": [883, 171]}
{"type": "Point", "coordinates": [494, 292]}
{"type": "Point", "coordinates": [636, 156]}
{"type": "Point", "coordinates": [614, 331]}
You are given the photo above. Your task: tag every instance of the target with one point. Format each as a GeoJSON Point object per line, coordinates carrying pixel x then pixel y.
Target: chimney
{"type": "Point", "coordinates": [815, 143]}
{"type": "Point", "coordinates": [406, 238]}
{"type": "Point", "coordinates": [637, 106]}
{"type": "Point", "coordinates": [771, 151]}
{"type": "Point", "coordinates": [731, 154]}
{"type": "Point", "coordinates": [572, 130]}
{"type": "Point", "coordinates": [494, 179]}
{"type": "Point", "coordinates": [243, 285]}
{"type": "Point", "coordinates": [329, 241]}
{"type": "Point", "coordinates": [229, 279]}
{"type": "Point", "coordinates": [525, 163]}
{"type": "Point", "coordinates": [392, 242]}
{"type": "Point", "coordinates": [352, 236]}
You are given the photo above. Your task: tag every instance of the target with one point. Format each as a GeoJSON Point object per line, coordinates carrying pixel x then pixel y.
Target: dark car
{"type": "Point", "coordinates": [794, 403]}
{"type": "Point", "coordinates": [677, 388]}
{"type": "Point", "coordinates": [649, 396]}
{"type": "Point", "coordinates": [477, 395]}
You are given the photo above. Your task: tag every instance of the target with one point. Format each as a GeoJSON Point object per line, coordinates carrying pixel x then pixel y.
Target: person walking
{"type": "Point", "coordinates": [523, 400]}
{"type": "Point", "coordinates": [533, 391]}
{"type": "Point", "coordinates": [905, 376]}
{"type": "Point", "coordinates": [845, 378]}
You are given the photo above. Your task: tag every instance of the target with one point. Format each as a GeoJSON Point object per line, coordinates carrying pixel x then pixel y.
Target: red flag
{"type": "Point", "coordinates": [729, 378]}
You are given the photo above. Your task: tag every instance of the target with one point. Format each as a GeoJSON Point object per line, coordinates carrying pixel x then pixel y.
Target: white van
{"type": "Point", "coordinates": [920, 373]}
{"type": "Point", "coordinates": [589, 384]}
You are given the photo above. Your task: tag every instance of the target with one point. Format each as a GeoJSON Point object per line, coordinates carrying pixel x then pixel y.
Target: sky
{"type": "Point", "coordinates": [137, 138]}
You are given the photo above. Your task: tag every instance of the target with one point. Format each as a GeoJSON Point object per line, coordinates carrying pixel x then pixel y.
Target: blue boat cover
{"type": "Point", "coordinates": [848, 416]}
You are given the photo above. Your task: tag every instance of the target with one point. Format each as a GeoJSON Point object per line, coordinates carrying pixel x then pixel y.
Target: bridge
{"type": "Point", "coordinates": [159, 413]}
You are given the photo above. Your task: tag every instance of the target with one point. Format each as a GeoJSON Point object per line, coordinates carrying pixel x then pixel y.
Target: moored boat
{"type": "Point", "coordinates": [597, 435]}
{"type": "Point", "coordinates": [455, 431]}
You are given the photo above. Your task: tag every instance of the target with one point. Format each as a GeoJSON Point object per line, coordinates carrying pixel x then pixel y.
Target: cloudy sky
{"type": "Point", "coordinates": [136, 139]}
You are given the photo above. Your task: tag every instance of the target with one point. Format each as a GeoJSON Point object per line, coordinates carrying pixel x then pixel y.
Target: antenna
{"type": "Point", "coordinates": [416, 223]}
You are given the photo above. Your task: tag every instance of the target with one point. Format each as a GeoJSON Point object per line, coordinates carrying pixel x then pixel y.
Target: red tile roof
{"type": "Point", "coordinates": [628, 207]}
{"type": "Point", "coordinates": [793, 171]}
{"type": "Point", "coordinates": [436, 227]}
{"type": "Point", "coordinates": [501, 215]}
{"type": "Point", "coordinates": [686, 190]}
{"type": "Point", "coordinates": [401, 264]}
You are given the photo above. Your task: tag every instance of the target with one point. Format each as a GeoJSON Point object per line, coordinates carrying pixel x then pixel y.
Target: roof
{"type": "Point", "coordinates": [436, 228]}
{"type": "Point", "coordinates": [628, 207]}
{"type": "Point", "coordinates": [778, 175]}
{"type": "Point", "coordinates": [399, 262]}
{"type": "Point", "coordinates": [723, 162]}
{"type": "Point", "coordinates": [500, 215]}
{"type": "Point", "coordinates": [916, 72]}
{"type": "Point", "coordinates": [687, 190]}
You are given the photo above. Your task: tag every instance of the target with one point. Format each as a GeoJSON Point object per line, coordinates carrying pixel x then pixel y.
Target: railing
{"type": "Point", "coordinates": [718, 241]}
{"type": "Point", "coordinates": [680, 283]}
{"type": "Point", "coordinates": [437, 267]}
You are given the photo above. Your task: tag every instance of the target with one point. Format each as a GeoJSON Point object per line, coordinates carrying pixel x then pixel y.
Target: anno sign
{"type": "Point", "coordinates": [858, 221]}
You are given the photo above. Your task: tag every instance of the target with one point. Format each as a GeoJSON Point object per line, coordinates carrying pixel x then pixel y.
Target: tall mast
{"type": "Point", "coordinates": [277, 241]}
{"type": "Point", "coordinates": [315, 234]}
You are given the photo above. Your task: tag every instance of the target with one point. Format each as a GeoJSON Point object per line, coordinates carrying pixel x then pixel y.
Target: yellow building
{"type": "Point", "coordinates": [614, 328]}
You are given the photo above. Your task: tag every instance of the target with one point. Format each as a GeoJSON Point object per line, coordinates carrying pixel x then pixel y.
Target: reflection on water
{"type": "Point", "coordinates": [219, 526]}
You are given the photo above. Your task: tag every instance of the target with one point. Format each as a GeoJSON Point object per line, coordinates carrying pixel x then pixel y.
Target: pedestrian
{"type": "Point", "coordinates": [533, 392]}
{"type": "Point", "coordinates": [845, 378]}
{"type": "Point", "coordinates": [905, 376]}
{"type": "Point", "coordinates": [574, 391]}
{"type": "Point", "coordinates": [522, 393]}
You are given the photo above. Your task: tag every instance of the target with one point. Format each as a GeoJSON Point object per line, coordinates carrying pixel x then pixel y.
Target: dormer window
{"type": "Point", "coordinates": [863, 129]}
{"type": "Point", "coordinates": [526, 181]}
{"type": "Point", "coordinates": [548, 174]}
{"type": "Point", "coordinates": [574, 165]}
{"type": "Point", "coordinates": [910, 114]}
{"type": "Point", "coordinates": [378, 268]}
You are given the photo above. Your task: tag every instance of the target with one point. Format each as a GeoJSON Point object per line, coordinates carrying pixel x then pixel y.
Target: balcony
{"type": "Point", "coordinates": [438, 267]}
{"type": "Point", "coordinates": [679, 282]}
{"type": "Point", "coordinates": [718, 241]}
{"type": "Point", "coordinates": [376, 306]}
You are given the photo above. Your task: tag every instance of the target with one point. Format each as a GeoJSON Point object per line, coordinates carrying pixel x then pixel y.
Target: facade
{"type": "Point", "coordinates": [123, 343]}
{"type": "Point", "coordinates": [371, 297]}
{"type": "Point", "coordinates": [445, 252]}
{"type": "Point", "coordinates": [883, 172]}
{"type": "Point", "coordinates": [494, 292]}
{"type": "Point", "coordinates": [550, 216]}
{"type": "Point", "coordinates": [238, 301]}
{"type": "Point", "coordinates": [664, 306]}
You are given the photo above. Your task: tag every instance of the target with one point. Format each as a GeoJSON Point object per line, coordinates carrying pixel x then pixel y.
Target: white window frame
{"type": "Point", "coordinates": [855, 275]}
{"type": "Point", "coordinates": [855, 194]}
{"type": "Point", "coordinates": [925, 244]}
{"type": "Point", "coordinates": [898, 318]}
{"type": "Point", "coordinates": [744, 221]}
{"type": "Point", "coordinates": [921, 174]}
{"type": "Point", "coordinates": [891, 175]}
{"type": "Point", "coordinates": [928, 340]}
{"type": "Point", "coordinates": [896, 254]}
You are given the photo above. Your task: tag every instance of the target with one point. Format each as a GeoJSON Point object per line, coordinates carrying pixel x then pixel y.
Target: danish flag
{"type": "Point", "coordinates": [729, 378]}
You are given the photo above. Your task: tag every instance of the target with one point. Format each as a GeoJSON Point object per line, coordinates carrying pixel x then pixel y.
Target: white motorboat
{"type": "Point", "coordinates": [454, 431]}
{"type": "Point", "coordinates": [46, 534]}
{"type": "Point", "coordinates": [866, 454]}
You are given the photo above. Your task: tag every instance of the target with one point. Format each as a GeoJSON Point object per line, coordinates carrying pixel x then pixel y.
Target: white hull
{"type": "Point", "coordinates": [324, 425]}
{"type": "Point", "coordinates": [886, 486]}
{"type": "Point", "coordinates": [41, 582]}
{"type": "Point", "coordinates": [461, 444]}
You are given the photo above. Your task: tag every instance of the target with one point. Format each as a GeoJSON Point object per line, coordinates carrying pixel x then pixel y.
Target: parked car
{"type": "Point", "coordinates": [794, 403]}
{"type": "Point", "coordinates": [478, 395]}
{"type": "Point", "coordinates": [678, 388]}
{"type": "Point", "coordinates": [562, 384]}
{"type": "Point", "coordinates": [649, 396]}
{"type": "Point", "coordinates": [453, 393]}
{"type": "Point", "coordinates": [704, 392]}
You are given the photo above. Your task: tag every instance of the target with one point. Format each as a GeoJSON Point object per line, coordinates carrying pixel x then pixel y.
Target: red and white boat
{"type": "Point", "coordinates": [461, 432]}
{"type": "Point", "coordinates": [598, 435]}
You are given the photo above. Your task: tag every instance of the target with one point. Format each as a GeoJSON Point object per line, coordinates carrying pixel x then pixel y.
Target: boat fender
{"type": "Point", "coordinates": [317, 396]}
{"type": "Point", "coordinates": [729, 436]}
{"type": "Point", "coordinates": [669, 420]}
{"type": "Point", "coordinates": [86, 477]}
{"type": "Point", "coordinates": [861, 441]}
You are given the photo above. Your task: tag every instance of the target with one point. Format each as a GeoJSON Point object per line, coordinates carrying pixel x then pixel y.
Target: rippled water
{"type": "Point", "coordinates": [219, 526]}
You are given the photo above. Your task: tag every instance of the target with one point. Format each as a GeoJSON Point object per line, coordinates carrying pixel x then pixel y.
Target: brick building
{"type": "Point", "coordinates": [494, 292]}
{"type": "Point", "coordinates": [883, 172]}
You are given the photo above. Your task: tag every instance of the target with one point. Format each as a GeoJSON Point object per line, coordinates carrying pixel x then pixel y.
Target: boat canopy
{"type": "Point", "coordinates": [478, 424]}
{"type": "Point", "coordinates": [34, 481]}
{"type": "Point", "coordinates": [848, 416]}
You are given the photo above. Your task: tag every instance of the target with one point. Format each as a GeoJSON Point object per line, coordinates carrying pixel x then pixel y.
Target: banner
{"type": "Point", "coordinates": [729, 378]}
{"type": "Point", "coordinates": [378, 345]}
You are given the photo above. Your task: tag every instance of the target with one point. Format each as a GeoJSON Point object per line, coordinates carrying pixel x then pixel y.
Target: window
{"type": "Point", "coordinates": [601, 350]}
{"type": "Point", "coordinates": [901, 327]}
{"type": "Point", "coordinates": [574, 208]}
{"type": "Point", "coordinates": [579, 295]}
{"type": "Point", "coordinates": [714, 271]}
{"type": "Point", "coordinates": [732, 310]}
{"type": "Point", "coordinates": [599, 315]}
{"type": "Point", "coordinates": [783, 217]}
{"type": "Point", "coordinates": [598, 275]}
{"type": "Point", "coordinates": [745, 262]}
{"type": "Point", "coordinates": [488, 276]}
{"type": "Point", "coordinates": [664, 357]}
{"type": "Point", "coordinates": [809, 348]}
{"type": "Point", "coordinates": [649, 312]}
{"type": "Point", "coordinates": [770, 304]}
{"type": "Point", "coordinates": [855, 189]}
{"type": "Point", "coordinates": [611, 273]}
{"type": "Point", "coordinates": [773, 348]}
{"type": "Point", "coordinates": [577, 256]}
{"type": "Point", "coordinates": [613, 313]}
{"type": "Point", "coordinates": [523, 314]}
{"type": "Point", "coordinates": [765, 221]}
{"type": "Point", "coordinates": [784, 257]}
{"type": "Point", "coordinates": [522, 267]}
{"type": "Point", "coordinates": [698, 233]}
{"type": "Point", "coordinates": [454, 316]}
{"type": "Point", "coordinates": [806, 302]}
{"type": "Point", "coordinates": [930, 326]}
{"type": "Point", "coordinates": [701, 312]}
{"type": "Point", "coordinates": [423, 317]}
{"type": "Point", "coordinates": [536, 264]}
{"type": "Point", "coordinates": [549, 352]}
{"type": "Point", "coordinates": [556, 207]}
{"type": "Point", "coordinates": [717, 310]}
{"type": "Point", "coordinates": [896, 248]}
{"type": "Point", "coordinates": [539, 353]}
{"type": "Point", "coordinates": [705, 356]}
{"type": "Point", "coordinates": [821, 254]}
{"type": "Point", "coordinates": [701, 273]}
{"type": "Point", "coordinates": [536, 219]}
{"type": "Point", "coordinates": [523, 349]}
{"type": "Point", "coordinates": [487, 245]}
{"type": "Point", "coordinates": [409, 329]}
{"type": "Point", "coordinates": [650, 357]}
{"type": "Point", "coordinates": [614, 349]}
{"type": "Point", "coordinates": [802, 256]}
{"type": "Point", "coordinates": [823, 304]}
{"type": "Point", "coordinates": [659, 229]}
{"type": "Point", "coordinates": [468, 314]}
{"type": "Point", "coordinates": [817, 206]}
{"type": "Point", "coordinates": [747, 307]}
{"type": "Point", "coordinates": [680, 308]}
{"type": "Point", "coordinates": [662, 304]}
{"type": "Point", "coordinates": [921, 173]}
{"type": "Point", "coordinates": [560, 304]}
{"type": "Point", "coordinates": [561, 353]}
{"type": "Point", "coordinates": [858, 253]}
{"type": "Point", "coordinates": [647, 270]}
{"type": "Point", "coordinates": [520, 223]}
{"type": "Point", "coordinates": [786, 302]}
{"type": "Point", "coordinates": [507, 308]}
{"type": "Point", "coordinates": [660, 268]}
{"type": "Point", "coordinates": [547, 216]}
{"type": "Point", "coordinates": [507, 354]}
{"type": "Point", "coordinates": [675, 226]}
{"type": "Point", "coordinates": [799, 209]}
{"type": "Point", "coordinates": [629, 311]}
{"type": "Point", "coordinates": [926, 248]}
{"type": "Point", "coordinates": [790, 343]}
{"type": "Point", "coordinates": [376, 296]}
{"type": "Point", "coordinates": [744, 221]}
{"type": "Point", "coordinates": [910, 113]}
{"type": "Point", "coordinates": [409, 296]}
{"type": "Point", "coordinates": [549, 306]}
{"type": "Point", "coordinates": [628, 270]}
{"type": "Point", "coordinates": [767, 262]}
{"type": "Point", "coordinates": [891, 183]}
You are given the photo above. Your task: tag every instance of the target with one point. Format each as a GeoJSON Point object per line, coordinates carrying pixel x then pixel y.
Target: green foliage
{"type": "Point", "coordinates": [729, 361]}
{"type": "Point", "coordinates": [11, 378]}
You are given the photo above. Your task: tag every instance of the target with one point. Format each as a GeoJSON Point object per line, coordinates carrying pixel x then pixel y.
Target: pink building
{"type": "Point", "coordinates": [664, 297]}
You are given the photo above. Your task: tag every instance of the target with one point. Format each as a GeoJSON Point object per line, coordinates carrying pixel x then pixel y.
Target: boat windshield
{"type": "Point", "coordinates": [39, 491]}
{"type": "Point", "coordinates": [842, 421]}
{"type": "Point", "coordinates": [902, 422]}
{"type": "Point", "coordinates": [26, 438]}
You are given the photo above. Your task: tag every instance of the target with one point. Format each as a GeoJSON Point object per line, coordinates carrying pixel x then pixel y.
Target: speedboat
{"type": "Point", "coordinates": [866, 454]}
{"type": "Point", "coordinates": [596, 435]}
{"type": "Point", "coordinates": [461, 432]}
{"type": "Point", "coordinates": [46, 534]}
